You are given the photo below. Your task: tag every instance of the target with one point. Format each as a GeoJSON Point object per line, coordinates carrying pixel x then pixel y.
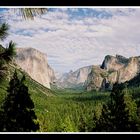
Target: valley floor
{"type": "Point", "coordinates": [68, 110]}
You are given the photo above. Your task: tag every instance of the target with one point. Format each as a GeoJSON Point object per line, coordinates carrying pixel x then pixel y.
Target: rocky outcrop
{"type": "Point", "coordinates": [112, 63]}
{"type": "Point", "coordinates": [36, 65]}
{"type": "Point", "coordinates": [95, 78]}
{"type": "Point", "coordinates": [116, 69]}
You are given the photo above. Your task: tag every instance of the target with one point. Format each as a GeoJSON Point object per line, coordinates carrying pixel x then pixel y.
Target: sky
{"type": "Point", "coordinates": [76, 37]}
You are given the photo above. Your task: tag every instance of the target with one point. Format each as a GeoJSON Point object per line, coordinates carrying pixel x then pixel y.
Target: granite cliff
{"type": "Point", "coordinates": [113, 69]}
{"type": "Point", "coordinates": [36, 65]}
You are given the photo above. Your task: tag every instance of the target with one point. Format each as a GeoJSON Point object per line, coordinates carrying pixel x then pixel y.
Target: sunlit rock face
{"type": "Point", "coordinates": [114, 62]}
{"type": "Point", "coordinates": [36, 65]}
{"type": "Point", "coordinates": [113, 69]}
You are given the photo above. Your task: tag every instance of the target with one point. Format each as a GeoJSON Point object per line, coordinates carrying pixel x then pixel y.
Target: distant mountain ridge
{"type": "Point", "coordinates": [113, 69]}
{"type": "Point", "coordinates": [36, 65]}
{"type": "Point", "coordinates": [74, 79]}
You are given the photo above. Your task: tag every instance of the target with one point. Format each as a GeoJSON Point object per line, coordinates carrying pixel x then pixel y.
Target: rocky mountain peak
{"type": "Point", "coordinates": [116, 69]}
{"type": "Point", "coordinates": [36, 65]}
{"type": "Point", "coordinates": [113, 63]}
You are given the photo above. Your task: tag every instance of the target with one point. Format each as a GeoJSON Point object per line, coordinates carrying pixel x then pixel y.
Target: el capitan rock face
{"type": "Point", "coordinates": [36, 65]}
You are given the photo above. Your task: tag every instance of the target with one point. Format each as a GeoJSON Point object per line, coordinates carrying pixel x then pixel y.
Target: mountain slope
{"type": "Point", "coordinates": [34, 86]}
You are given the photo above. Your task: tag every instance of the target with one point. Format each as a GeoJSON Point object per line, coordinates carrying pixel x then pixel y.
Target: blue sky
{"type": "Point", "coordinates": [77, 37]}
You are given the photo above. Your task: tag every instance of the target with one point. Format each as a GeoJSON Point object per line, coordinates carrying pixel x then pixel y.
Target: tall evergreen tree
{"type": "Point", "coordinates": [6, 54]}
{"type": "Point", "coordinates": [18, 114]}
{"type": "Point", "coordinates": [116, 115]}
{"type": "Point", "coordinates": [9, 52]}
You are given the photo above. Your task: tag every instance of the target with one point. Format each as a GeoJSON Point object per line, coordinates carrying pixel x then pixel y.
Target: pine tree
{"type": "Point", "coordinates": [6, 53]}
{"type": "Point", "coordinates": [18, 114]}
{"type": "Point", "coordinates": [116, 115]}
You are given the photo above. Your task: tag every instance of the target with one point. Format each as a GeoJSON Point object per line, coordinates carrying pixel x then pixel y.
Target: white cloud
{"type": "Point", "coordinates": [79, 42]}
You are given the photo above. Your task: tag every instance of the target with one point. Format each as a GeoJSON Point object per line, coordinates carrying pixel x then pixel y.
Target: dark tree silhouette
{"type": "Point", "coordinates": [18, 114]}
{"type": "Point", "coordinates": [115, 115]}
